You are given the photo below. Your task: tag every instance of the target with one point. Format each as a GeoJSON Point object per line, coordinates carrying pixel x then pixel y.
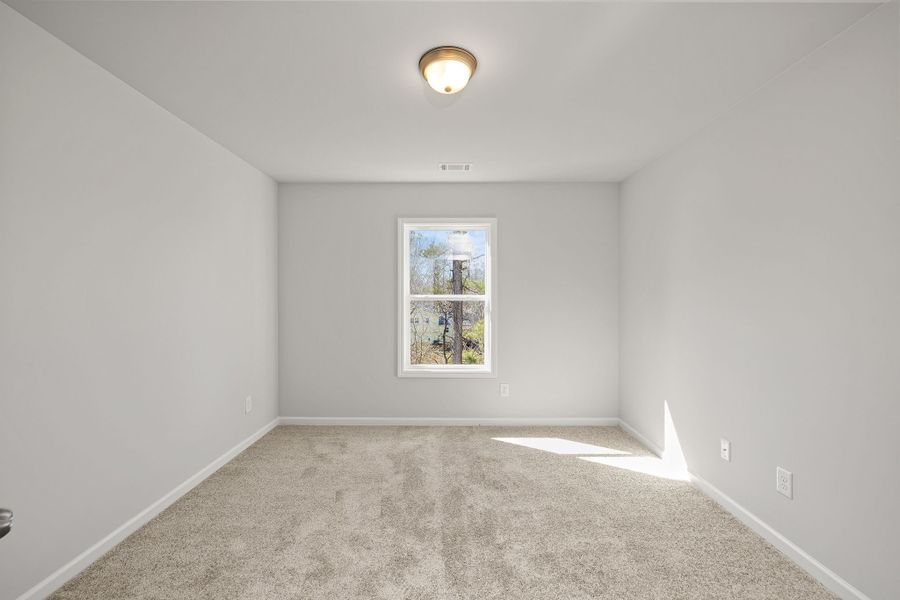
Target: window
{"type": "Point", "coordinates": [447, 286]}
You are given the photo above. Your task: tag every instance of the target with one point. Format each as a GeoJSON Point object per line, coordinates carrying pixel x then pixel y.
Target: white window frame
{"type": "Point", "coordinates": [489, 368]}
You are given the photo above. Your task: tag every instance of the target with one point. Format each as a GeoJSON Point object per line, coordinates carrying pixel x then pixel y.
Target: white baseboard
{"type": "Point", "coordinates": [56, 579]}
{"type": "Point", "coordinates": [439, 421]}
{"type": "Point", "coordinates": [817, 570]}
{"type": "Point", "coordinates": [641, 438]}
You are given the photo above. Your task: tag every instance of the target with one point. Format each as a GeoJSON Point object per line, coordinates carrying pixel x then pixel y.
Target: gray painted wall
{"type": "Point", "coordinates": [760, 291]}
{"type": "Point", "coordinates": [557, 303]}
{"type": "Point", "coordinates": [137, 302]}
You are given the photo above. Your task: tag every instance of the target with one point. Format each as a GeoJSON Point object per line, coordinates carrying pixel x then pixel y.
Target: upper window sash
{"type": "Point", "coordinates": [431, 225]}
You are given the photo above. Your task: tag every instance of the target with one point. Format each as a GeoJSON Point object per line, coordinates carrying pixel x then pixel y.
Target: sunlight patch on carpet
{"type": "Point", "coordinates": [559, 445]}
{"type": "Point", "coordinates": [649, 465]}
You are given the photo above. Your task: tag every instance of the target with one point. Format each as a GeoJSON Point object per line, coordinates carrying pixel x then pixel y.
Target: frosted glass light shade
{"type": "Point", "coordinates": [447, 69]}
{"type": "Point", "coordinates": [461, 246]}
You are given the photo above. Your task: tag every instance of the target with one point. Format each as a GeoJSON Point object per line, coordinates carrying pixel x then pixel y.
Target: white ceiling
{"type": "Point", "coordinates": [330, 91]}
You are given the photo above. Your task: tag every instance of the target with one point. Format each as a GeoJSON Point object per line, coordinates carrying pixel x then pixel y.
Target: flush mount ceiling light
{"type": "Point", "coordinates": [447, 69]}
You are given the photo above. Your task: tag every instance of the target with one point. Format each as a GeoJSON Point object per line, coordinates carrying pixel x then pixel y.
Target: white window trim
{"type": "Point", "coordinates": [489, 369]}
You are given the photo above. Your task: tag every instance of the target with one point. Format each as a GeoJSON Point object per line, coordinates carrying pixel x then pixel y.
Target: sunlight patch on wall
{"type": "Point", "coordinates": [673, 456]}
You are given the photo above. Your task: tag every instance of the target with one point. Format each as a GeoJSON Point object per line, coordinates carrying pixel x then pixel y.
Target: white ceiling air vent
{"type": "Point", "coordinates": [454, 167]}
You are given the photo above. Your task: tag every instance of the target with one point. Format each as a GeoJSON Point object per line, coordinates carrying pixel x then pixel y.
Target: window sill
{"type": "Point", "coordinates": [446, 374]}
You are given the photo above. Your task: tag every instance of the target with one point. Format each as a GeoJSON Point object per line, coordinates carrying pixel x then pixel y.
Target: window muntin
{"type": "Point", "coordinates": [446, 287]}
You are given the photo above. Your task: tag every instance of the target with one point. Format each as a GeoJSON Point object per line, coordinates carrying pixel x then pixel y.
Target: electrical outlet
{"type": "Point", "coordinates": [504, 389]}
{"type": "Point", "coordinates": [784, 482]}
{"type": "Point", "coordinates": [248, 404]}
{"type": "Point", "coordinates": [725, 449]}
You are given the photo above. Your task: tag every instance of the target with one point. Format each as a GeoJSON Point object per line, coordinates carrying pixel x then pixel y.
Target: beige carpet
{"type": "Point", "coordinates": [442, 512]}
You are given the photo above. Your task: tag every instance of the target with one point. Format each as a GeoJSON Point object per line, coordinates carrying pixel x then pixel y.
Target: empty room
{"type": "Point", "coordinates": [412, 300]}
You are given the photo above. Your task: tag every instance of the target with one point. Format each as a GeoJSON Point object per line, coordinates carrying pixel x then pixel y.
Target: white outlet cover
{"type": "Point", "coordinates": [504, 389]}
{"type": "Point", "coordinates": [784, 482]}
{"type": "Point", "coordinates": [725, 449]}
{"type": "Point", "coordinates": [248, 404]}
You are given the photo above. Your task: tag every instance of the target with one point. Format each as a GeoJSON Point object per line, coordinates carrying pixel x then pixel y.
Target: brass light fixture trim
{"type": "Point", "coordinates": [445, 54]}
